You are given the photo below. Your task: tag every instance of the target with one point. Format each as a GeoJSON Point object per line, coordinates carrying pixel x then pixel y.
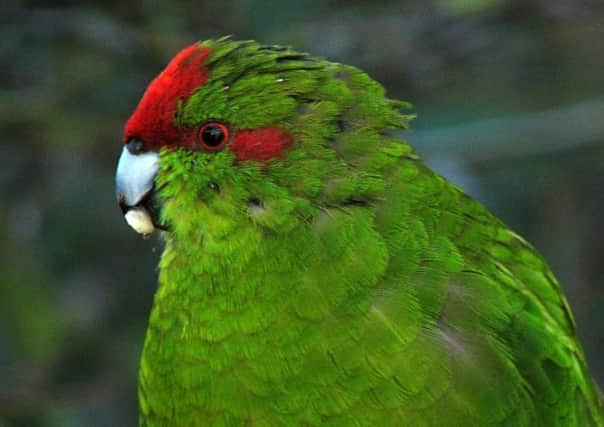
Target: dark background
{"type": "Point", "coordinates": [510, 102]}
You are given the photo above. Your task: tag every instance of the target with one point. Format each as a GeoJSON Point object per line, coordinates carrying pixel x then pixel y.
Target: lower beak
{"type": "Point", "coordinates": [134, 189]}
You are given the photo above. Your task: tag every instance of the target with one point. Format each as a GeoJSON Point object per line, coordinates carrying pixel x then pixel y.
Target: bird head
{"type": "Point", "coordinates": [237, 134]}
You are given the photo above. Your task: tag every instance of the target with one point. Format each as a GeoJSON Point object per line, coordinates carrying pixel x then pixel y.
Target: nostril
{"type": "Point", "coordinates": [135, 146]}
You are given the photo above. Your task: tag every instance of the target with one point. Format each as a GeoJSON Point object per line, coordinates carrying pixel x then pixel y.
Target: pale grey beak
{"type": "Point", "coordinates": [134, 184]}
{"type": "Point", "coordinates": [134, 176]}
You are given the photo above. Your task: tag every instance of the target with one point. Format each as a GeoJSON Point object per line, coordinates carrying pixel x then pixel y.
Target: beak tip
{"type": "Point", "coordinates": [140, 220]}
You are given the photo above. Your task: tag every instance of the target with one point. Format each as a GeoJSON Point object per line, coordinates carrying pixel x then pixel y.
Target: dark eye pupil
{"type": "Point", "coordinates": [212, 135]}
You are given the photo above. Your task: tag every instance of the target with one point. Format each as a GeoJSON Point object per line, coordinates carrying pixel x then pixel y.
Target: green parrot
{"type": "Point", "coordinates": [317, 273]}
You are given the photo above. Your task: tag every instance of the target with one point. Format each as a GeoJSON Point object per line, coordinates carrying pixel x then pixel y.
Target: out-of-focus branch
{"type": "Point", "coordinates": [516, 136]}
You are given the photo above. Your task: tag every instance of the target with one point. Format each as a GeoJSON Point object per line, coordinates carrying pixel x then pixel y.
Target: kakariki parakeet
{"type": "Point", "coordinates": [317, 273]}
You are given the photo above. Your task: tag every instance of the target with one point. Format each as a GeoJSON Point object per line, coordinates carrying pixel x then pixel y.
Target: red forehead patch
{"type": "Point", "coordinates": [153, 120]}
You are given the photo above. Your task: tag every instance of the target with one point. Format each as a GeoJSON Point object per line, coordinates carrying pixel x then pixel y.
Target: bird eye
{"type": "Point", "coordinates": [213, 136]}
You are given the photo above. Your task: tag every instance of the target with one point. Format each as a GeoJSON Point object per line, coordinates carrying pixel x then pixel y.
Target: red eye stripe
{"type": "Point", "coordinates": [260, 144]}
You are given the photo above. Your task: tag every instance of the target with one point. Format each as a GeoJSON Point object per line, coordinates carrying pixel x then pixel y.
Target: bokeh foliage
{"type": "Point", "coordinates": [510, 103]}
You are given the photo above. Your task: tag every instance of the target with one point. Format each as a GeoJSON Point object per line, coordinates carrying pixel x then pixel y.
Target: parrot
{"type": "Point", "coordinates": [316, 272]}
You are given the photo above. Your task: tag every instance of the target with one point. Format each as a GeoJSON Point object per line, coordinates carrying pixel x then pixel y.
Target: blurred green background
{"type": "Point", "coordinates": [510, 102]}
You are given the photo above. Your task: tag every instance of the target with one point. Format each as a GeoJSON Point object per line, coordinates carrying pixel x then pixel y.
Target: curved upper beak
{"type": "Point", "coordinates": [134, 183]}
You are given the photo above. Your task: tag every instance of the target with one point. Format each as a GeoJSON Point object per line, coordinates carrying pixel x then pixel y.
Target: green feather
{"type": "Point", "coordinates": [365, 290]}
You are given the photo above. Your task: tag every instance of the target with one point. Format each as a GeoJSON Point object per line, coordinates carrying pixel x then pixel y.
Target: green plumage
{"type": "Point", "coordinates": [358, 289]}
